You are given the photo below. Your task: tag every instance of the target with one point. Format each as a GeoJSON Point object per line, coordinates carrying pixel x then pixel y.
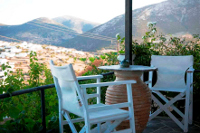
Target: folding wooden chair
{"type": "Point", "coordinates": [73, 98]}
{"type": "Point", "coordinates": [171, 78]}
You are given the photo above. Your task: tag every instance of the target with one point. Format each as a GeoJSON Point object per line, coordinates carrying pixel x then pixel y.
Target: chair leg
{"type": "Point", "coordinates": [165, 108]}
{"type": "Point", "coordinates": [99, 127]}
{"type": "Point", "coordinates": [191, 113]}
{"type": "Point", "coordinates": [131, 109]}
{"type": "Point", "coordinates": [61, 122]}
{"type": "Point", "coordinates": [83, 130]}
{"type": "Point", "coordinates": [187, 100]}
{"type": "Point", "coordinates": [191, 98]}
{"type": "Point", "coordinates": [157, 112]}
{"type": "Point", "coordinates": [191, 106]}
{"type": "Point", "coordinates": [87, 126]}
{"type": "Point", "coordinates": [166, 100]}
{"type": "Point", "coordinates": [132, 124]}
{"type": "Point", "coordinates": [67, 117]}
{"type": "Point", "coordinates": [113, 126]}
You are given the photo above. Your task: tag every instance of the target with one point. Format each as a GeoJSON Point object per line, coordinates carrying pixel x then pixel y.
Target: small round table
{"type": "Point", "coordinates": [141, 93]}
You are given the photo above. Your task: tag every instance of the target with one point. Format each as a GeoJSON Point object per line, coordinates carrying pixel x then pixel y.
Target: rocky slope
{"type": "Point", "coordinates": [46, 31]}
{"type": "Point", "coordinates": [41, 31]}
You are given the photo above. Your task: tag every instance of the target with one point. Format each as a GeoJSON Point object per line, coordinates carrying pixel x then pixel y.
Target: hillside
{"type": "Point", "coordinates": [172, 16]}
{"type": "Point", "coordinates": [17, 54]}
{"type": "Point", "coordinates": [41, 31]}
{"type": "Point", "coordinates": [76, 24]}
{"type": "Point", "coordinates": [1, 24]}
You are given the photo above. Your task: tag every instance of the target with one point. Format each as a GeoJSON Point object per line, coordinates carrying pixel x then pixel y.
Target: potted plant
{"type": "Point", "coordinates": [121, 48]}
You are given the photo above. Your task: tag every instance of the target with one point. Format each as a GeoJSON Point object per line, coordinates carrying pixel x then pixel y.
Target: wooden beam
{"type": "Point", "coordinates": [128, 31]}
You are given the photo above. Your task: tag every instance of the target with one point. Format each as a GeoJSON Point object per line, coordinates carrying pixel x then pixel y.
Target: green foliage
{"type": "Point", "coordinates": [82, 59]}
{"type": "Point", "coordinates": [35, 70]}
{"type": "Point", "coordinates": [12, 82]}
{"type": "Point", "coordinates": [111, 58]}
{"type": "Point", "coordinates": [121, 52]}
{"type": "Point", "coordinates": [121, 42]}
{"type": "Point", "coordinates": [142, 52]}
{"type": "Point", "coordinates": [24, 112]}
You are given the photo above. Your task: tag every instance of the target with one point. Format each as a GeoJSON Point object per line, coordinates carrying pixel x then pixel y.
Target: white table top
{"type": "Point", "coordinates": [130, 68]}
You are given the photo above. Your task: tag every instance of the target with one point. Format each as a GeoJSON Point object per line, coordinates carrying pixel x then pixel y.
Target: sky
{"type": "Point", "coordinates": [14, 12]}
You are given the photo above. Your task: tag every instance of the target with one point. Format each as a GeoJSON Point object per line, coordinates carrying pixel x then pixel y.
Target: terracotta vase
{"type": "Point", "coordinates": [141, 98]}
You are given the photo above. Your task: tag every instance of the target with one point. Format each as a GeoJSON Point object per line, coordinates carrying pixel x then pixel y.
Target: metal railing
{"type": "Point", "coordinates": [41, 89]}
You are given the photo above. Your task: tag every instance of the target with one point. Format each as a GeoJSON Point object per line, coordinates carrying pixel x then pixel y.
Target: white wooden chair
{"type": "Point", "coordinates": [171, 78]}
{"type": "Point", "coordinates": [73, 98]}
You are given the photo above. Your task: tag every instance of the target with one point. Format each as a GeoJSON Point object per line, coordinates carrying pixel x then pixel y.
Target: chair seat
{"type": "Point", "coordinates": [110, 114]}
{"type": "Point", "coordinates": [168, 89]}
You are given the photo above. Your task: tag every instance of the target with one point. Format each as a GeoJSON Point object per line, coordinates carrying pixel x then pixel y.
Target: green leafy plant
{"type": "Point", "coordinates": [22, 113]}
{"type": "Point", "coordinates": [83, 59]}
{"type": "Point", "coordinates": [35, 70]}
{"type": "Point", "coordinates": [121, 43]}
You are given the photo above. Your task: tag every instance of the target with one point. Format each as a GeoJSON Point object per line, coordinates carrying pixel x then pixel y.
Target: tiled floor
{"type": "Point", "coordinates": [166, 125]}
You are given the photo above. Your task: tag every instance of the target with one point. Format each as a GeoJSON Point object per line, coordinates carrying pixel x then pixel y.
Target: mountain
{"type": "Point", "coordinates": [41, 31]}
{"type": "Point", "coordinates": [76, 24]}
{"type": "Point", "coordinates": [1, 24]}
{"type": "Point", "coordinates": [172, 16]}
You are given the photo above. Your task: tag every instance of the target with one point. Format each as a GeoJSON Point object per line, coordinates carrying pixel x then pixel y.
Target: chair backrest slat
{"type": "Point", "coordinates": [171, 70]}
{"type": "Point", "coordinates": [67, 86]}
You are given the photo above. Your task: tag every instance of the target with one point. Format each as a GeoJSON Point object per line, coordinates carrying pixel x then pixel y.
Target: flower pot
{"type": "Point", "coordinates": [121, 57]}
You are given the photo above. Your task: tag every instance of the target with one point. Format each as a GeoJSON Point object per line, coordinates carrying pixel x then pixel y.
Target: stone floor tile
{"type": "Point", "coordinates": [167, 125]}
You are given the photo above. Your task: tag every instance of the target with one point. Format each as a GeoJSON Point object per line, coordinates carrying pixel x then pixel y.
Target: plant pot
{"type": "Point", "coordinates": [121, 57]}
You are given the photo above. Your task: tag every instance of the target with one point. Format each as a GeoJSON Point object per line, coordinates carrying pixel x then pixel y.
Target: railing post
{"type": "Point", "coordinates": [43, 111]}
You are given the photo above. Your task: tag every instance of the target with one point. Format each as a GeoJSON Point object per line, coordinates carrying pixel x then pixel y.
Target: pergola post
{"type": "Point", "coordinates": [128, 31]}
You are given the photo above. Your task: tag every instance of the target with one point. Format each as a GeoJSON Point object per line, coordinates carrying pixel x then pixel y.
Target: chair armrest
{"type": "Point", "coordinates": [190, 70]}
{"type": "Point", "coordinates": [107, 83]}
{"type": "Point", "coordinates": [149, 81]}
{"type": "Point", "coordinates": [89, 77]}
{"type": "Point", "coordinates": [108, 107]}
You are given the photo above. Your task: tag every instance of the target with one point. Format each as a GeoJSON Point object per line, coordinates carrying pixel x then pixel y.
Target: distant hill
{"type": "Point", "coordinates": [172, 16]}
{"type": "Point", "coordinates": [76, 24]}
{"type": "Point", "coordinates": [1, 24]}
{"type": "Point", "coordinates": [41, 31]}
